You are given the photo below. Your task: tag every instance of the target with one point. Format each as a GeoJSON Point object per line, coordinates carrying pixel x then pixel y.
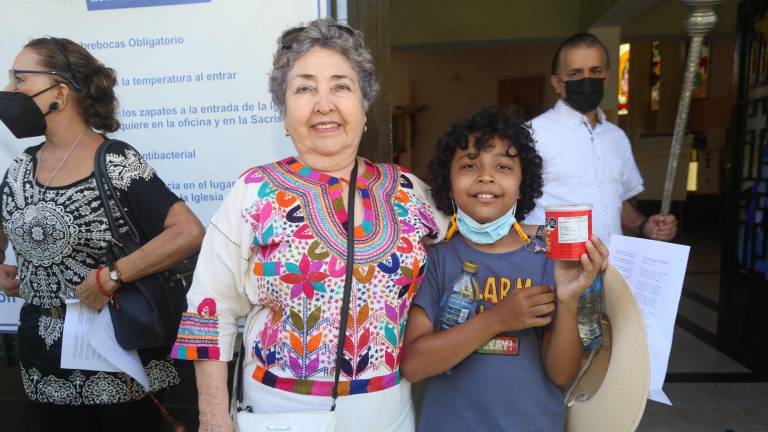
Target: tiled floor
{"type": "Point", "coordinates": [704, 283]}
{"type": "Point", "coordinates": [691, 355]}
{"type": "Point", "coordinates": [705, 406]}
{"type": "Point", "coordinates": [699, 314]}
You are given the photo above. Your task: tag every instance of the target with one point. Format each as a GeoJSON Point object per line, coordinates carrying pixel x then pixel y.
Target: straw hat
{"type": "Point", "coordinates": [611, 394]}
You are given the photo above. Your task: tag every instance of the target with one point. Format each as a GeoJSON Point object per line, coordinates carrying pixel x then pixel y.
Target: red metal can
{"type": "Point", "coordinates": [569, 226]}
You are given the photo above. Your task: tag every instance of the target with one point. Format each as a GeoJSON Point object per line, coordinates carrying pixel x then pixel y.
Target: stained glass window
{"type": "Point", "coordinates": [701, 79]}
{"type": "Point", "coordinates": [624, 79]}
{"type": "Point", "coordinates": [655, 81]}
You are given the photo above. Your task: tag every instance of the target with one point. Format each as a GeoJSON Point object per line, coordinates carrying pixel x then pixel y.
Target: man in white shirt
{"type": "Point", "coordinates": [586, 158]}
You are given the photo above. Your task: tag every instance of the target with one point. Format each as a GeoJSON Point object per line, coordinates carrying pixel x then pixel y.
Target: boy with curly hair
{"type": "Point", "coordinates": [507, 360]}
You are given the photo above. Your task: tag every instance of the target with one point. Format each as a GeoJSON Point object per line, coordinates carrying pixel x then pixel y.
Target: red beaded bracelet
{"type": "Point", "coordinates": [99, 285]}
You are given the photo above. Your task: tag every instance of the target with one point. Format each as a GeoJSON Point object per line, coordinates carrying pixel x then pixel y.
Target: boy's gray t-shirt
{"type": "Point", "coordinates": [490, 392]}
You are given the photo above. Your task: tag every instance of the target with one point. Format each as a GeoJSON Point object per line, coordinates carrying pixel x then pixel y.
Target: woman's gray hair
{"type": "Point", "coordinates": [323, 33]}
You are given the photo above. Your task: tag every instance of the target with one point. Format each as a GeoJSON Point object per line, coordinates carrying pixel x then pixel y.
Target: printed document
{"type": "Point", "coordinates": [655, 271]}
{"type": "Point", "coordinates": [89, 340]}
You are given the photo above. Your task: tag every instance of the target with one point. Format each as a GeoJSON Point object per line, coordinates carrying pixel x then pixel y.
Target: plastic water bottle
{"type": "Point", "coordinates": [461, 302]}
{"type": "Point", "coordinates": [590, 314]}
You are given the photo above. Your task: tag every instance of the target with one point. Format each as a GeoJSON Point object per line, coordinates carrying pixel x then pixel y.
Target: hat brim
{"type": "Point", "coordinates": [619, 402]}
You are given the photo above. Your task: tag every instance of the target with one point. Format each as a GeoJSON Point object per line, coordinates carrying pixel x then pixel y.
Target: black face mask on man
{"type": "Point", "coordinates": [21, 114]}
{"type": "Point", "coordinates": [584, 95]}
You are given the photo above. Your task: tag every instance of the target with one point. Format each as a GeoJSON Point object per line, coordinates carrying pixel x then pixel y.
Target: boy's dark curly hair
{"type": "Point", "coordinates": [485, 125]}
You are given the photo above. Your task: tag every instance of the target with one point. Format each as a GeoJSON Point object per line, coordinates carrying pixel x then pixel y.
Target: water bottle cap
{"type": "Point", "coordinates": [471, 267]}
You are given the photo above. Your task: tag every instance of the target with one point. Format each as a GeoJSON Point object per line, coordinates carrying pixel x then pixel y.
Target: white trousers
{"type": "Point", "coordinates": [389, 410]}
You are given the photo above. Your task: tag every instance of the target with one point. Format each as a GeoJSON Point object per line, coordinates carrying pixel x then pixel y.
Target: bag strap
{"type": "Point", "coordinates": [347, 280]}
{"type": "Point", "coordinates": [235, 405]}
{"type": "Point", "coordinates": [106, 189]}
{"type": "Point", "coordinates": [238, 379]}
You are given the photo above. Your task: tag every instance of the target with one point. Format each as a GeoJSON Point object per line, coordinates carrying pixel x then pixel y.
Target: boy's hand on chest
{"type": "Point", "coordinates": [523, 308]}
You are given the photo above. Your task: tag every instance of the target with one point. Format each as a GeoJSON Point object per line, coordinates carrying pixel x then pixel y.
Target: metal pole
{"type": "Point", "coordinates": [701, 20]}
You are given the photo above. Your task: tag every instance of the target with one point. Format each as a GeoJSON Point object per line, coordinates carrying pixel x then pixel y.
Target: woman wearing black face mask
{"type": "Point", "coordinates": [51, 212]}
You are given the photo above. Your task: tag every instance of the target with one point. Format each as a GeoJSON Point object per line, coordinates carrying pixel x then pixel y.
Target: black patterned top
{"type": "Point", "coordinates": [59, 234]}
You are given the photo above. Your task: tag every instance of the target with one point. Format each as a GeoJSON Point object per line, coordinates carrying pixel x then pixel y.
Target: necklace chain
{"type": "Point", "coordinates": [61, 163]}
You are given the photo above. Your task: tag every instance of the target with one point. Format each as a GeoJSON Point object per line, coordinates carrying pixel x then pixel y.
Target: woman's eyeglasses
{"type": "Point", "coordinates": [290, 37]}
{"type": "Point", "coordinates": [71, 80]}
{"type": "Point", "coordinates": [12, 73]}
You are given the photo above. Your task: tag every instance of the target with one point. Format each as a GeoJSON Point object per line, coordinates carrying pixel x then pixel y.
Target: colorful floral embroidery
{"type": "Point", "coordinates": [198, 334]}
{"type": "Point", "coordinates": [321, 198]}
{"type": "Point", "coordinates": [305, 277]}
{"type": "Point", "coordinates": [266, 349]}
{"type": "Point", "coordinates": [357, 343]}
{"type": "Point", "coordinates": [305, 336]}
{"type": "Point", "coordinates": [297, 271]}
{"type": "Point", "coordinates": [325, 388]}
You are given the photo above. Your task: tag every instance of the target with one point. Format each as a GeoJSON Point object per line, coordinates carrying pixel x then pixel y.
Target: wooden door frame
{"type": "Point", "coordinates": [372, 18]}
{"type": "Point", "coordinates": [742, 328]}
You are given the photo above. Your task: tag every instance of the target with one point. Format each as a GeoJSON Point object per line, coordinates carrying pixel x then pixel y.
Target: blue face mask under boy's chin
{"type": "Point", "coordinates": [486, 233]}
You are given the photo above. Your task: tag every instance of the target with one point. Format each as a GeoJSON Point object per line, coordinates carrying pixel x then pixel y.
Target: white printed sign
{"type": "Point", "coordinates": [9, 313]}
{"type": "Point", "coordinates": [192, 83]}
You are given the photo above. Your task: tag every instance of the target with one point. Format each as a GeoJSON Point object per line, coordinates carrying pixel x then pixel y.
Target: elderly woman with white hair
{"type": "Point", "coordinates": [277, 251]}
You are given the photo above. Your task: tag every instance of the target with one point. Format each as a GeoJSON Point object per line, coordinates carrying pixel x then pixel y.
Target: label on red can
{"type": "Point", "coordinates": [569, 226]}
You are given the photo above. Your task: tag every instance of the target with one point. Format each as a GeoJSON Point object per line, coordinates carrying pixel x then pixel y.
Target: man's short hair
{"type": "Point", "coordinates": [578, 40]}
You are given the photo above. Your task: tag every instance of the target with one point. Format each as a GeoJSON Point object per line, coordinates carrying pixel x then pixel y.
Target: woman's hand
{"type": "Point", "coordinates": [89, 293]}
{"type": "Point", "coordinates": [572, 277]}
{"type": "Point", "coordinates": [9, 283]}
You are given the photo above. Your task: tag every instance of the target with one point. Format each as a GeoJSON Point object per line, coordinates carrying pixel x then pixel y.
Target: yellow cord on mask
{"type": "Point", "coordinates": [523, 236]}
{"type": "Point", "coordinates": [452, 227]}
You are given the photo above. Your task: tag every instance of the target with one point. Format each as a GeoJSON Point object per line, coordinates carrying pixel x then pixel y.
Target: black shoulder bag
{"type": "Point", "coordinates": [146, 312]}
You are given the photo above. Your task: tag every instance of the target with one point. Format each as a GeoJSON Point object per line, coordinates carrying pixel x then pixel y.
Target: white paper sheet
{"type": "Point", "coordinates": [102, 338]}
{"type": "Point", "coordinates": [76, 350]}
{"type": "Point", "coordinates": [655, 272]}
{"type": "Point", "coordinates": [89, 340]}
